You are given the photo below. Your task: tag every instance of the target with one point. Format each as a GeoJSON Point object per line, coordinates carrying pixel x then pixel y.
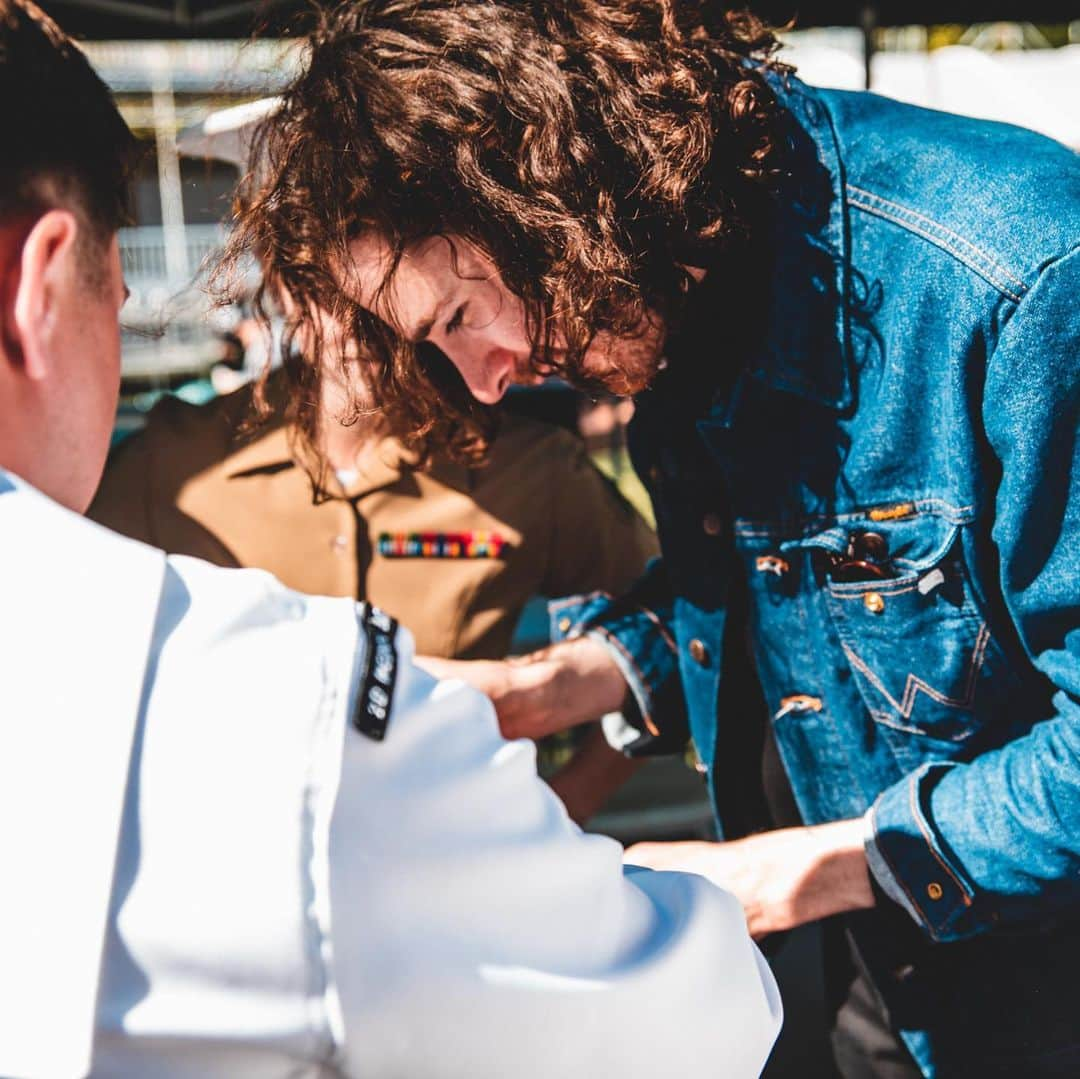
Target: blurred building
{"type": "Point", "coordinates": [170, 334]}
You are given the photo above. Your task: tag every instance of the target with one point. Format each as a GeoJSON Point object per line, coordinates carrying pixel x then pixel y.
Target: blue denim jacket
{"type": "Point", "coordinates": [920, 381]}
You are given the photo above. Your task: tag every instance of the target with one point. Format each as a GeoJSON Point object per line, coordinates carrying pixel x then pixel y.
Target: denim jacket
{"type": "Point", "coordinates": [894, 482]}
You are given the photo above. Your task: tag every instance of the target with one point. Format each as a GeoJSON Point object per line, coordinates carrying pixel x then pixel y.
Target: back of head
{"type": "Point", "coordinates": [62, 141]}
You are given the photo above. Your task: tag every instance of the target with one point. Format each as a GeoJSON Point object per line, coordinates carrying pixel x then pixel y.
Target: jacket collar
{"type": "Point", "coordinates": [807, 344]}
{"type": "Point", "coordinates": [278, 448]}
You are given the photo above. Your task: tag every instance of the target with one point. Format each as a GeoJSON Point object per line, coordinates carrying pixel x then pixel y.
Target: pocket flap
{"type": "Point", "coordinates": [913, 544]}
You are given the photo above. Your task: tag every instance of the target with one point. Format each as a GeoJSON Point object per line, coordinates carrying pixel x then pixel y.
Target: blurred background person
{"type": "Point", "coordinates": [453, 552]}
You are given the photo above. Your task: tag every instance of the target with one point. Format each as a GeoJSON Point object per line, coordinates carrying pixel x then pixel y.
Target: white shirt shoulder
{"type": "Point", "coordinates": [292, 896]}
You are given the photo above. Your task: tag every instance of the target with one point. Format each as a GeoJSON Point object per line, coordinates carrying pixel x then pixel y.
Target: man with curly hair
{"type": "Point", "coordinates": [853, 331]}
{"type": "Point", "coordinates": [242, 832]}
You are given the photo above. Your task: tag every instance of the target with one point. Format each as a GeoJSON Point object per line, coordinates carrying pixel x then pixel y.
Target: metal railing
{"type": "Point", "coordinates": [145, 259]}
{"type": "Point", "coordinates": [167, 333]}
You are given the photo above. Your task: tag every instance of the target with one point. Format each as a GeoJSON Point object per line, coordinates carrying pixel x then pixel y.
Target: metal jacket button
{"type": "Point", "coordinates": [713, 524]}
{"type": "Point", "coordinates": [698, 652]}
{"type": "Point", "coordinates": [564, 624]}
{"type": "Point", "coordinates": [770, 563]}
{"type": "Point", "coordinates": [934, 890]}
{"type": "Point", "coordinates": [874, 602]}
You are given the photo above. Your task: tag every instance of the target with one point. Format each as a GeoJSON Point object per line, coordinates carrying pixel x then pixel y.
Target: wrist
{"type": "Point", "coordinates": [837, 875]}
{"type": "Point", "coordinates": [560, 686]}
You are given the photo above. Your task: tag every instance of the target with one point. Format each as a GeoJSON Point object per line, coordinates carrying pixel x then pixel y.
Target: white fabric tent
{"type": "Point", "coordinates": [1038, 88]}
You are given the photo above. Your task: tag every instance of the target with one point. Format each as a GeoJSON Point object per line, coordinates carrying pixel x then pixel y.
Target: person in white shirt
{"type": "Point", "coordinates": [242, 833]}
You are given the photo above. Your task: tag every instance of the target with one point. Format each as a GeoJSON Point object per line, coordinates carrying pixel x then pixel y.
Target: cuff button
{"type": "Point", "coordinates": [564, 624]}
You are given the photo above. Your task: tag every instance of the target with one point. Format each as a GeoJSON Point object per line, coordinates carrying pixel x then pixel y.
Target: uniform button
{"type": "Point", "coordinates": [564, 624]}
{"type": "Point", "coordinates": [699, 653]}
{"type": "Point", "coordinates": [339, 543]}
{"type": "Point", "coordinates": [713, 524]}
{"type": "Point", "coordinates": [873, 602]}
{"type": "Point", "coordinates": [934, 890]}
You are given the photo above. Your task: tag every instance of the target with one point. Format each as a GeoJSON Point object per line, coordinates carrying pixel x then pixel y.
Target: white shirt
{"type": "Point", "coordinates": [293, 898]}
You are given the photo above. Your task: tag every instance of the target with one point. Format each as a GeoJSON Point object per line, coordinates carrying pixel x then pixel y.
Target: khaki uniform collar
{"type": "Point", "coordinates": [279, 448]}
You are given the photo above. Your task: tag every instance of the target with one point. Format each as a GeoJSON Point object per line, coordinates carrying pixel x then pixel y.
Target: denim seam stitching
{"type": "Point", "coordinates": [989, 259]}
{"type": "Point", "coordinates": [899, 879]}
{"type": "Point", "coordinates": [938, 241]}
{"type": "Point", "coordinates": [766, 529]}
{"type": "Point", "coordinates": [646, 714]}
{"type": "Point", "coordinates": [571, 601]}
{"type": "Point", "coordinates": [924, 828]}
{"type": "Point", "coordinates": [661, 628]}
{"type": "Point", "coordinates": [914, 683]}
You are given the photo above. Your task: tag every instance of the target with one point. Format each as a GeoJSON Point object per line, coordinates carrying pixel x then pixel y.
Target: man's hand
{"type": "Point", "coordinates": [551, 690]}
{"type": "Point", "coordinates": [783, 879]}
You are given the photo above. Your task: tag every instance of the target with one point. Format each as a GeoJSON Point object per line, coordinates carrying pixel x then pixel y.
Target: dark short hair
{"type": "Point", "coordinates": [592, 148]}
{"type": "Point", "coordinates": [62, 139]}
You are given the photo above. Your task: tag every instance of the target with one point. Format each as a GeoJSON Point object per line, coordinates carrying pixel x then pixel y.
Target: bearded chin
{"type": "Point", "coordinates": [625, 366]}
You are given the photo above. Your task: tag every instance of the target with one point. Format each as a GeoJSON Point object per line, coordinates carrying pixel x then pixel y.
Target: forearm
{"type": "Point", "coordinates": [591, 776]}
{"type": "Point", "coordinates": [784, 878]}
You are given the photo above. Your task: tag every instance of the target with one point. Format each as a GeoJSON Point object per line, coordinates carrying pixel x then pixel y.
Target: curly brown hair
{"type": "Point", "coordinates": [592, 148]}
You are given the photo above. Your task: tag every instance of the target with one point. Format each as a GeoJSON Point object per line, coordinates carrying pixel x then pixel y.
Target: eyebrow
{"type": "Point", "coordinates": [423, 330]}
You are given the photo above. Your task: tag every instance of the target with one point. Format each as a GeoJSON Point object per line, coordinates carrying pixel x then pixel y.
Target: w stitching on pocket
{"type": "Point", "coordinates": [915, 685]}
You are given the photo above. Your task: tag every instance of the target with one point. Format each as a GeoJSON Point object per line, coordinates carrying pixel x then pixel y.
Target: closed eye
{"type": "Point", "coordinates": [456, 319]}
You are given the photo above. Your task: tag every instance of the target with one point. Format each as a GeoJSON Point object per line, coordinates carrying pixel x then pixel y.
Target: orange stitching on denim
{"type": "Point", "coordinates": [984, 255]}
{"type": "Point", "coordinates": [930, 846]}
{"type": "Point", "coordinates": [914, 684]}
{"type": "Point", "coordinates": [939, 241]}
{"type": "Point", "coordinates": [646, 715]}
{"type": "Point", "coordinates": [933, 506]}
{"type": "Point", "coordinates": [661, 628]}
{"type": "Point", "coordinates": [877, 586]}
{"type": "Point", "coordinates": [896, 875]}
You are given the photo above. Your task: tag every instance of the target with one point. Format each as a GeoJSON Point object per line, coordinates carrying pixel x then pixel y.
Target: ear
{"type": "Point", "coordinates": [45, 269]}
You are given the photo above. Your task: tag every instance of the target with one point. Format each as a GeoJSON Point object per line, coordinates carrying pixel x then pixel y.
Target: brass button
{"type": "Point", "coordinates": [934, 890]}
{"type": "Point", "coordinates": [699, 653]}
{"type": "Point", "coordinates": [565, 624]}
{"type": "Point", "coordinates": [873, 602]}
{"type": "Point", "coordinates": [713, 524]}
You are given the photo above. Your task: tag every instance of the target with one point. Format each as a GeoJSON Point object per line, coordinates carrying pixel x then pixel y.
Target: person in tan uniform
{"type": "Point", "coordinates": [453, 552]}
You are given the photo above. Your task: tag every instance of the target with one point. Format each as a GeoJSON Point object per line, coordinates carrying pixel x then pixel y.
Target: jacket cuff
{"type": "Point", "coordinates": [654, 713]}
{"type": "Point", "coordinates": [913, 864]}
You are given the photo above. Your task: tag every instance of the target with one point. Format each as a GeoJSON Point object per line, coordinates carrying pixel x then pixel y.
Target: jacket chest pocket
{"type": "Point", "coordinates": [915, 642]}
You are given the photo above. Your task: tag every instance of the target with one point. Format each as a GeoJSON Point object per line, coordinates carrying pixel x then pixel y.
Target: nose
{"type": "Point", "coordinates": [488, 375]}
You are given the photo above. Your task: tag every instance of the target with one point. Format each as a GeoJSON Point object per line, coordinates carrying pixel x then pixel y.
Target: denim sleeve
{"type": "Point", "coordinates": [997, 840]}
{"type": "Point", "coordinates": [636, 628]}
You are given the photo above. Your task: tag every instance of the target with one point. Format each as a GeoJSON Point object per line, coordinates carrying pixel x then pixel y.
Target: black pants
{"type": "Point", "coordinates": [863, 1044]}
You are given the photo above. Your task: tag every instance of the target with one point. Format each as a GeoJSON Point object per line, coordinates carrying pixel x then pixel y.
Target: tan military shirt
{"type": "Point", "coordinates": [453, 553]}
